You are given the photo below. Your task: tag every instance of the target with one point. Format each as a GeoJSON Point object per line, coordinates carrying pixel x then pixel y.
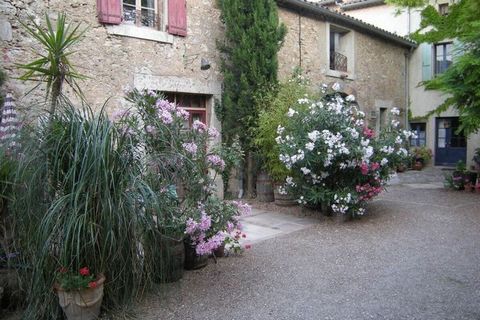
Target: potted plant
{"type": "Point", "coordinates": [476, 159]}
{"type": "Point", "coordinates": [275, 104]}
{"type": "Point", "coordinates": [421, 157]}
{"type": "Point", "coordinates": [80, 293]}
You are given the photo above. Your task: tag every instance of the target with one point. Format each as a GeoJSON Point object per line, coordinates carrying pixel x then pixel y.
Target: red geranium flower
{"type": "Point", "coordinates": [92, 284]}
{"type": "Point", "coordinates": [85, 272]}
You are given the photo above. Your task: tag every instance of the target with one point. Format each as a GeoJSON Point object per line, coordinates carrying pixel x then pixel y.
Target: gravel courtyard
{"type": "Point", "coordinates": [416, 255]}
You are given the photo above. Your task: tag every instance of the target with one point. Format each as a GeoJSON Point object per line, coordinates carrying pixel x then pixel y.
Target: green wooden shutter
{"type": "Point", "coordinates": [426, 61]}
{"type": "Point", "coordinates": [458, 49]}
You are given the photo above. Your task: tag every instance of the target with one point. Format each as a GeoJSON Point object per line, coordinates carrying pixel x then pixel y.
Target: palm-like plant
{"type": "Point", "coordinates": [53, 66]}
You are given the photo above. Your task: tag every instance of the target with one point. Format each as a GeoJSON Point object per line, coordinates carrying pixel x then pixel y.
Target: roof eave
{"type": "Point", "coordinates": [345, 20]}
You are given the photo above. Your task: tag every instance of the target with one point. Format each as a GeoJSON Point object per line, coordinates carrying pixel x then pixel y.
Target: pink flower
{"type": "Point", "coordinates": [364, 168]}
{"type": "Point", "coordinates": [182, 113]}
{"type": "Point", "coordinates": [92, 284]}
{"type": "Point", "coordinates": [248, 246]}
{"type": "Point", "coordinates": [150, 129]}
{"type": "Point", "coordinates": [215, 161]}
{"type": "Point", "coordinates": [166, 117]}
{"type": "Point", "coordinates": [375, 166]}
{"type": "Point", "coordinates": [165, 105]}
{"type": "Point", "coordinates": [199, 126]}
{"type": "Point", "coordinates": [190, 147]}
{"type": "Point", "coordinates": [213, 133]}
{"type": "Point", "coordinates": [369, 133]}
{"type": "Point", "coordinates": [84, 271]}
{"type": "Point", "coordinates": [120, 114]}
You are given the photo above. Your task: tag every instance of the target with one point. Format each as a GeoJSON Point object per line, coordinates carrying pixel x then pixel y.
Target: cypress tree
{"type": "Point", "coordinates": [253, 37]}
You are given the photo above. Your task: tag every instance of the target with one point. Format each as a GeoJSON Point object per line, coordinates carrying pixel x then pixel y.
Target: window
{"type": "Point", "coordinates": [338, 60]}
{"type": "Point", "coordinates": [144, 18]}
{"type": "Point", "coordinates": [340, 52]}
{"type": "Point", "coordinates": [443, 57]}
{"type": "Point", "coordinates": [195, 104]}
{"type": "Point", "coordinates": [142, 13]}
{"type": "Point", "coordinates": [420, 132]}
{"type": "Point", "coordinates": [443, 9]}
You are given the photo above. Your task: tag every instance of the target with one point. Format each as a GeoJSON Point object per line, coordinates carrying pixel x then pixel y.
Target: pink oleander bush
{"type": "Point", "coordinates": [183, 164]}
{"type": "Point", "coordinates": [336, 160]}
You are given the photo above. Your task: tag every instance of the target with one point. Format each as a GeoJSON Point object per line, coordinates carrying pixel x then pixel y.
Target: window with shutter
{"type": "Point", "coordinates": [426, 61]}
{"type": "Point", "coordinates": [109, 11]}
{"type": "Point", "coordinates": [177, 17]}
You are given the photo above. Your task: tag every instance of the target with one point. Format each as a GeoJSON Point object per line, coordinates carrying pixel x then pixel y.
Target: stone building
{"type": "Point", "coordinates": [437, 132]}
{"type": "Point", "coordinates": [170, 45]}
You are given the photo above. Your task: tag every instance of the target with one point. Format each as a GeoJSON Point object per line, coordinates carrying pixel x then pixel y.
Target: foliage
{"type": "Point", "coordinates": [233, 156]}
{"type": "Point", "coordinates": [78, 199]}
{"type": "Point", "coordinates": [253, 37]}
{"type": "Point", "coordinates": [333, 157]}
{"type": "Point", "coordinates": [274, 106]}
{"type": "Point", "coordinates": [75, 280]}
{"type": "Point", "coordinates": [461, 81]}
{"type": "Point", "coordinates": [422, 154]}
{"type": "Point", "coordinates": [407, 3]}
{"type": "Point", "coordinates": [53, 65]}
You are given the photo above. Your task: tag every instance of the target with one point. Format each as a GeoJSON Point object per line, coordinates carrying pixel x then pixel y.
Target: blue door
{"type": "Point", "coordinates": [450, 146]}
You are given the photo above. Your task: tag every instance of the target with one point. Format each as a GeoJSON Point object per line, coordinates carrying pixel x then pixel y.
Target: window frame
{"type": "Point", "coordinates": [346, 47]}
{"type": "Point", "coordinates": [159, 11]}
{"type": "Point", "coordinates": [436, 69]}
{"type": "Point", "coordinates": [419, 142]}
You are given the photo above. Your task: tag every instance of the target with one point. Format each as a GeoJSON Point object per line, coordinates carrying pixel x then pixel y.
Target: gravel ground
{"type": "Point", "coordinates": [416, 255]}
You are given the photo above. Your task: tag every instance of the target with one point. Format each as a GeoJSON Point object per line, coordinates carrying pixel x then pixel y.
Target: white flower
{"type": "Point", "coordinates": [279, 140]}
{"type": "Point", "coordinates": [310, 146]}
{"type": "Point", "coordinates": [383, 162]}
{"type": "Point", "coordinates": [364, 142]}
{"type": "Point", "coordinates": [336, 86]}
{"type": "Point", "coordinates": [387, 149]}
{"type": "Point", "coordinates": [367, 153]}
{"type": "Point", "coordinates": [395, 111]}
{"type": "Point", "coordinates": [291, 112]}
{"type": "Point", "coordinates": [305, 170]}
{"type": "Point", "coordinates": [395, 123]}
{"type": "Point", "coordinates": [314, 135]}
{"type": "Point", "coordinates": [398, 140]}
{"type": "Point", "coordinates": [303, 101]}
{"type": "Point", "coordinates": [280, 129]}
{"type": "Point", "coordinates": [350, 98]}
{"type": "Point", "coordinates": [289, 181]}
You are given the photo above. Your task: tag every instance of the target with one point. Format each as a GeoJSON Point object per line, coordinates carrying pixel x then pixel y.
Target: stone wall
{"type": "Point", "coordinates": [115, 64]}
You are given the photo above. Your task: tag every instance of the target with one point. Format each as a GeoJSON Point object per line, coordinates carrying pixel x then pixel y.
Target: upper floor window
{"type": "Point", "coordinates": [443, 57]}
{"type": "Point", "coordinates": [143, 13]}
{"type": "Point", "coordinates": [443, 9]}
{"type": "Point", "coordinates": [338, 57]}
{"type": "Point", "coordinates": [162, 15]}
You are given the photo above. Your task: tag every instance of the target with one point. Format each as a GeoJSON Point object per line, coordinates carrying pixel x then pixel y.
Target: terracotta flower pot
{"type": "Point", "coordinates": [468, 187]}
{"type": "Point", "coordinates": [83, 304]}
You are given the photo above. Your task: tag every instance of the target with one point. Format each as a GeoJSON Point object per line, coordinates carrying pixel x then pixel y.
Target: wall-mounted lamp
{"type": "Point", "coordinates": [204, 64]}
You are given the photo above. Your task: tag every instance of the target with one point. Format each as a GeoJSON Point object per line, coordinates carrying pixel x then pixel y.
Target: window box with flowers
{"type": "Point", "coordinates": [80, 293]}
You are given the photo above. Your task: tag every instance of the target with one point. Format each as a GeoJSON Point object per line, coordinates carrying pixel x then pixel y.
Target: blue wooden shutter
{"type": "Point", "coordinates": [426, 61]}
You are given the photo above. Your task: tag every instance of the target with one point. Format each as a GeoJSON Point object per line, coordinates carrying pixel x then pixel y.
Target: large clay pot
{"type": "Point", "coordinates": [192, 260]}
{"type": "Point", "coordinates": [264, 188]}
{"type": "Point", "coordinates": [283, 200]}
{"type": "Point", "coordinates": [82, 304]}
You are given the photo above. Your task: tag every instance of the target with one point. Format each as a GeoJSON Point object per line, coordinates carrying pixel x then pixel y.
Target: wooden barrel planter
{"type": "Point", "coordinates": [283, 200]}
{"type": "Point", "coordinates": [264, 188]}
{"type": "Point", "coordinates": [172, 260]}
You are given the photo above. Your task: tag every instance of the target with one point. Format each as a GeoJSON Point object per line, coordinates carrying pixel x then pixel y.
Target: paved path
{"type": "Point", "coordinates": [415, 256]}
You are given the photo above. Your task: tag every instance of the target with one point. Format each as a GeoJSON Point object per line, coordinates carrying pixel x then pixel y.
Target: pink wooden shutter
{"type": "Point", "coordinates": [109, 11]}
{"type": "Point", "coordinates": [177, 17]}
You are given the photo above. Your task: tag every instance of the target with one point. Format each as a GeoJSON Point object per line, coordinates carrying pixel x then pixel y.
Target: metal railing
{"type": "Point", "coordinates": [338, 61]}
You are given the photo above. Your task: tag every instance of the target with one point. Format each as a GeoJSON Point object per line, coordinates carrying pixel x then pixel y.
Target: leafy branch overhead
{"type": "Point", "coordinates": [53, 66]}
{"type": "Point", "coordinates": [461, 81]}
